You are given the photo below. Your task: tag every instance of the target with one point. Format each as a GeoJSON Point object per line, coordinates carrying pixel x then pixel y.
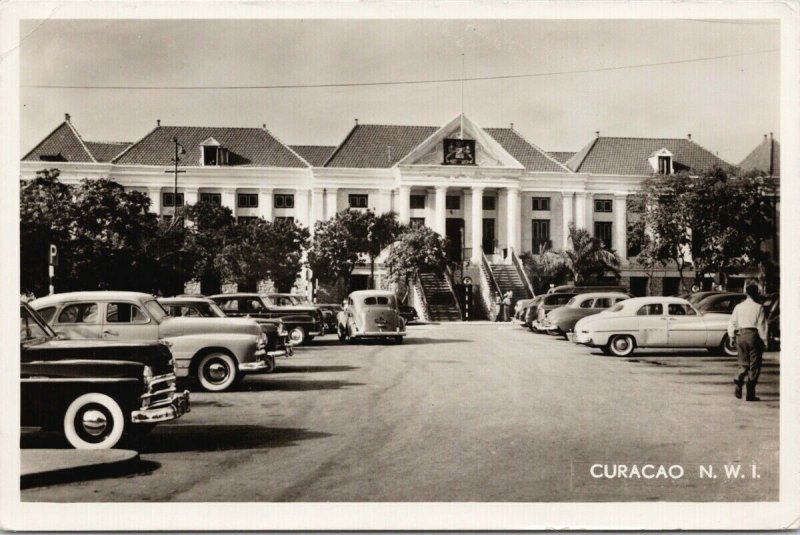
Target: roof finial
{"type": "Point", "coordinates": [356, 121]}
{"type": "Point", "coordinates": [512, 126]}
{"type": "Point", "coordinates": [765, 137]}
{"type": "Point", "coordinates": [66, 117]}
{"type": "Point", "coordinates": [158, 122]}
{"type": "Point", "coordinates": [689, 136]}
{"type": "Point", "coordinates": [264, 126]}
{"type": "Point", "coordinates": [597, 133]}
{"type": "Point", "coordinates": [770, 135]}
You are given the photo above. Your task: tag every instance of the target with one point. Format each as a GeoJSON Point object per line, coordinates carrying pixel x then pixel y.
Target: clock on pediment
{"type": "Point", "coordinates": [458, 151]}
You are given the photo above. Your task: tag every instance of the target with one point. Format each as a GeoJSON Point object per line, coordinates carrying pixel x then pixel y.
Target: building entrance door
{"type": "Point", "coordinates": [488, 236]}
{"type": "Point", "coordinates": [454, 230]}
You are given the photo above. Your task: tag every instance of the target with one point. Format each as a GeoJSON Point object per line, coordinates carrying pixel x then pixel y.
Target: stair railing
{"type": "Point", "coordinates": [515, 261]}
{"type": "Point", "coordinates": [489, 287]}
{"type": "Point", "coordinates": [448, 277]}
{"type": "Point", "coordinates": [418, 287]}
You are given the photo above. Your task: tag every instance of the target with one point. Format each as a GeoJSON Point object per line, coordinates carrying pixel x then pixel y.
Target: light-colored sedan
{"type": "Point", "coordinates": [562, 320]}
{"type": "Point", "coordinates": [654, 322]}
{"type": "Point", "coordinates": [371, 314]}
{"type": "Point", "coordinates": [217, 351]}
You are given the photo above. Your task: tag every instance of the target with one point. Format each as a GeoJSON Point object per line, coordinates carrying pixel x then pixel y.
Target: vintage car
{"type": "Point", "coordinates": [97, 393]}
{"type": "Point", "coordinates": [562, 320]}
{"type": "Point", "coordinates": [409, 313]}
{"type": "Point", "coordinates": [536, 316]}
{"type": "Point", "coordinates": [724, 303]}
{"type": "Point", "coordinates": [371, 314]}
{"type": "Point", "coordinates": [520, 307]}
{"type": "Point", "coordinates": [302, 322]}
{"type": "Point", "coordinates": [203, 307]}
{"type": "Point", "coordinates": [654, 322]}
{"type": "Point", "coordinates": [527, 312]}
{"type": "Point", "coordinates": [772, 306]}
{"type": "Point", "coordinates": [696, 297]}
{"type": "Point", "coordinates": [569, 288]}
{"type": "Point", "coordinates": [218, 352]}
{"type": "Point", "coordinates": [328, 310]}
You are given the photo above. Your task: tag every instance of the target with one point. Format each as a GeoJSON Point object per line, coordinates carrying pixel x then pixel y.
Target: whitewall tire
{"type": "Point", "coordinates": [94, 421]}
{"type": "Point", "coordinates": [217, 372]}
{"type": "Point", "coordinates": [728, 347]}
{"type": "Point", "coordinates": [297, 336]}
{"type": "Point", "coordinates": [621, 345]}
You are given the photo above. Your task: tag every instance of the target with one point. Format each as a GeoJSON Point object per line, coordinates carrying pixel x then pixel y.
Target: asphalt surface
{"type": "Point", "coordinates": [460, 412]}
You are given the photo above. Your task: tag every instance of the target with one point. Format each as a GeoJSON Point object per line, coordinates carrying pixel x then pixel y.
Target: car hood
{"type": "Point", "coordinates": [564, 312]}
{"type": "Point", "coordinates": [152, 354]}
{"type": "Point", "coordinates": [185, 326]}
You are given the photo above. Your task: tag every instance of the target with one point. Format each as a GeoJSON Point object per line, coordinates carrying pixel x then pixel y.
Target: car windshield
{"type": "Point", "coordinates": [298, 299]}
{"type": "Point", "coordinates": [573, 302]}
{"type": "Point", "coordinates": [616, 308]}
{"type": "Point", "coordinates": [31, 328]}
{"type": "Point", "coordinates": [156, 310]}
{"type": "Point", "coordinates": [210, 310]}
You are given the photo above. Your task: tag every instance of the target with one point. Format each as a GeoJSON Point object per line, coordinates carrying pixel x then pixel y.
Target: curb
{"type": "Point", "coordinates": [82, 465]}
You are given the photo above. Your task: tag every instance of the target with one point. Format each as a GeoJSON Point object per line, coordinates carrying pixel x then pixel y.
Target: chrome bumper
{"type": "Point", "coordinates": [261, 363]}
{"type": "Point", "coordinates": [541, 326]}
{"type": "Point", "coordinates": [388, 334]}
{"type": "Point", "coordinates": [580, 338]}
{"type": "Point", "coordinates": [178, 406]}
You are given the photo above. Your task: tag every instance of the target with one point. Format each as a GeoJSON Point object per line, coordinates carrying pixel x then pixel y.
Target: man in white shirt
{"type": "Point", "coordinates": [748, 326]}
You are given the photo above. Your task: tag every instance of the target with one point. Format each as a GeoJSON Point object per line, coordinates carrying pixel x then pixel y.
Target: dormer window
{"type": "Point", "coordinates": [664, 165]}
{"type": "Point", "coordinates": [214, 153]}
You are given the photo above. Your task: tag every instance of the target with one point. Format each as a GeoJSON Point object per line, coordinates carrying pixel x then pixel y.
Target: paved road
{"type": "Point", "coordinates": [459, 413]}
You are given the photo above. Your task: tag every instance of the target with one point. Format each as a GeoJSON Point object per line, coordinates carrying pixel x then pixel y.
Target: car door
{"type": "Point", "coordinates": [686, 327]}
{"type": "Point", "coordinates": [254, 307]}
{"type": "Point", "coordinates": [79, 320]}
{"type": "Point", "coordinates": [651, 325]}
{"type": "Point", "coordinates": [125, 320]}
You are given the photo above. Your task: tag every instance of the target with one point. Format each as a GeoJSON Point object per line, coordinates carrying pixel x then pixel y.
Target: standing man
{"type": "Point", "coordinates": [748, 327]}
{"type": "Point", "coordinates": [507, 298]}
{"type": "Point", "coordinates": [498, 302]}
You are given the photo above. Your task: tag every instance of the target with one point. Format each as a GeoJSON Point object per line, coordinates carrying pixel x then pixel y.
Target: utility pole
{"type": "Point", "coordinates": [176, 160]}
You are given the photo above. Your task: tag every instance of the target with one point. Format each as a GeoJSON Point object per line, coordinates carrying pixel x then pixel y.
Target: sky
{"type": "Point", "coordinates": [727, 104]}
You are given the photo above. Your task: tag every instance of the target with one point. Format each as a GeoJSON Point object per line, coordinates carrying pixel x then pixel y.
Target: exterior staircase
{"type": "Point", "coordinates": [439, 298]}
{"type": "Point", "coordinates": [508, 278]}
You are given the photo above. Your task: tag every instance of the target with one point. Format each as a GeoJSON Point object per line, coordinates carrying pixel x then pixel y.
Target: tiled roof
{"type": "Point", "coordinates": [766, 157]}
{"type": "Point", "coordinates": [525, 152]}
{"type": "Point", "coordinates": [628, 156]}
{"type": "Point", "coordinates": [247, 147]}
{"type": "Point", "coordinates": [316, 155]}
{"type": "Point", "coordinates": [106, 151]}
{"type": "Point", "coordinates": [62, 145]}
{"type": "Point", "coordinates": [561, 156]}
{"type": "Point", "coordinates": [377, 145]}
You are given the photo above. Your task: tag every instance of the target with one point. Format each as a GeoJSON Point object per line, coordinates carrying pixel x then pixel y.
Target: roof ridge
{"type": "Point", "coordinates": [45, 138]}
{"type": "Point", "coordinates": [340, 145]}
{"type": "Point", "coordinates": [541, 150]}
{"type": "Point", "coordinates": [132, 145]}
{"type": "Point", "coordinates": [111, 142]}
{"type": "Point", "coordinates": [279, 140]}
{"type": "Point", "coordinates": [80, 139]}
{"type": "Point", "coordinates": [585, 155]}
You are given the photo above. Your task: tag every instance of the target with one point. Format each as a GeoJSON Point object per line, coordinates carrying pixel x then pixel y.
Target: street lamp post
{"type": "Point", "coordinates": [176, 160]}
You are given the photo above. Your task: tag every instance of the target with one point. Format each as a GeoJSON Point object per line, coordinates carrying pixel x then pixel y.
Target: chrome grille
{"type": "Point", "coordinates": [162, 387]}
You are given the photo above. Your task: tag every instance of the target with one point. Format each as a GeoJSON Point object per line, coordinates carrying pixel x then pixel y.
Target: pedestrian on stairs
{"type": "Point", "coordinates": [507, 305]}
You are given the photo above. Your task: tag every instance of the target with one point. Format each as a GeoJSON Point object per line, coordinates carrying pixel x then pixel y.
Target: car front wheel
{"type": "Point", "coordinates": [94, 421]}
{"type": "Point", "coordinates": [729, 346]}
{"type": "Point", "coordinates": [217, 372]}
{"type": "Point", "coordinates": [297, 335]}
{"type": "Point", "coordinates": [621, 345]}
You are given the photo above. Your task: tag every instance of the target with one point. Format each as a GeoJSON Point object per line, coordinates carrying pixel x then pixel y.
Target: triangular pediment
{"type": "Point", "coordinates": [443, 146]}
{"type": "Point", "coordinates": [210, 142]}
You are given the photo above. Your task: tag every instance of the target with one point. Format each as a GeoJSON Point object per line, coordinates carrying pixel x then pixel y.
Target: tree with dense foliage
{"type": "Point", "coordinates": [586, 261]}
{"type": "Point", "coordinates": [417, 249]}
{"type": "Point", "coordinates": [382, 230]}
{"type": "Point", "coordinates": [339, 246]}
{"type": "Point", "coordinates": [213, 228]}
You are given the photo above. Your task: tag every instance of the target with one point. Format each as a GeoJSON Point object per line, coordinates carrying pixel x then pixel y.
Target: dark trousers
{"type": "Point", "coordinates": [751, 349]}
{"type": "Point", "coordinates": [500, 312]}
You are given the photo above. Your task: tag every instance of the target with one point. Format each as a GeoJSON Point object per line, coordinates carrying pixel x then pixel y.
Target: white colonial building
{"type": "Point", "coordinates": [490, 190]}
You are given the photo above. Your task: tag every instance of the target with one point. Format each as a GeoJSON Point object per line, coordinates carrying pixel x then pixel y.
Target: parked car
{"type": "Point", "coordinates": [302, 322]}
{"type": "Point", "coordinates": [95, 392]}
{"type": "Point", "coordinates": [527, 313]}
{"type": "Point", "coordinates": [772, 305]}
{"type": "Point", "coordinates": [536, 316]}
{"type": "Point", "coordinates": [658, 322]}
{"type": "Point", "coordinates": [562, 320]}
{"type": "Point", "coordinates": [409, 313]}
{"type": "Point", "coordinates": [520, 306]}
{"type": "Point", "coordinates": [203, 307]}
{"type": "Point", "coordinates": [568, 288]}
{"type": "Point", "coordinates": [371, 314]}
{"type": "Point", "coordinates": [328, 310]}
{"type": "Point", "coordinates": [723, 303]}
{"type": "Point", "coordinates": [696, 297]}
{"type": "Point", "coordinates": [218, 352]}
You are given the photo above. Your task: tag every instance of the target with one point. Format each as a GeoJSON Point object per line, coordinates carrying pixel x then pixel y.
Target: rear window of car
{"type": "Point", "coordinates": [376, 301]}
{"type": "Point", "coordinates": [653, 309]}
{"type": "Point", "coordinates": [229, 305]}
{"type": "Point", "coordinates": [558, 299]}
{"type": "Point", "coordinates": [602, 302]}
{"type": "Point", "coordinates": [79, 313]}
{"type": "Point", "coordinates": [678, 309]}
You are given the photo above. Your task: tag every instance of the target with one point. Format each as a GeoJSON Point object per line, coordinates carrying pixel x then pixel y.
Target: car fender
{"type": "Point", "coordinates": [241, 345]}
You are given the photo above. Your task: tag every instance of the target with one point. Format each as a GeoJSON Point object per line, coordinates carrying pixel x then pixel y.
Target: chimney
{"type": "Point", "coordinates": [597, 133]}
{"type": "Point", "coordinates": [765, 137]}
{"type": "Point", "coordinates": [66, 117]}
{"type": "Point", "coordinates": [770, 135]}
{"type": "Point", "coordinates": [689, 136]}
{"type": "Point", "coordinates": [512, 126]}
{"type": "Point", "coordinates": [158, 122]}
{"type": "Point", "coordinates": [263, 126]}
{"type": "Point", "coordinates": [356, 119]}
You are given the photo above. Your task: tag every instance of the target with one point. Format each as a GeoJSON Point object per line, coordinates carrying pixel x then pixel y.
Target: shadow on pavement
{"type": "Point", "coordinates": [313, 369]}
{"type": "Point", "coordinates": [260, 384]}
{"type": "Point", "coordinates": [419, 341]}
{"type": "Point", "coordinates": [178, 438]}
{"type": "Point", "coordinates": [89, 473]}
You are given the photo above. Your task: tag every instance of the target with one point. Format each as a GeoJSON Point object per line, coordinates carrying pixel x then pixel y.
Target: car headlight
{"type": "Point", "coordinates": [262, 340]}
{"type": "Point", "coordinates": [147, 375]}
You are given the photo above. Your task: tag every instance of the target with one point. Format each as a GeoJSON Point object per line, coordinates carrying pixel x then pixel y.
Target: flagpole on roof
{"type": "Point", "coordinates": [461, 127]}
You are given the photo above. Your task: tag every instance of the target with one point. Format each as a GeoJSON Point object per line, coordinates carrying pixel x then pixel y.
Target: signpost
{"type": "Point", "coordinates": [52, 261]}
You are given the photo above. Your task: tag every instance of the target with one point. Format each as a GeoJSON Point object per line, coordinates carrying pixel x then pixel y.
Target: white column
{"type": "Point", "coordinates": [155, 199]}
{"type": "Point", "coordinates": [477, 224]}
{"type": "Point", "coordinates": [229, 199]}
{"type": "Point", "coordinates": [403, 204]}
{"type": "Point", "coordinates": [331, 202]}
{"type": "Point", "coordinates": [302, 206]}
{"type": "Point", "coordinates": [440, 214]}
{"type": "Point", "coordinates": [566, 209]}
{"type": "Point", "coordinates": [621, 226]}
{"type": "Point", "coordinates": [190, 196]}
{"type": "Point", "coordinates": [580, 209]}
{"type": "Point", "coordinates": [317, 205]}
{"type": "Point", "coordinates": [512, 226]}
{"type": "Point", "coordinates": [265, 203]}
{"type": "Point", "coordinates": [384, 204]}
